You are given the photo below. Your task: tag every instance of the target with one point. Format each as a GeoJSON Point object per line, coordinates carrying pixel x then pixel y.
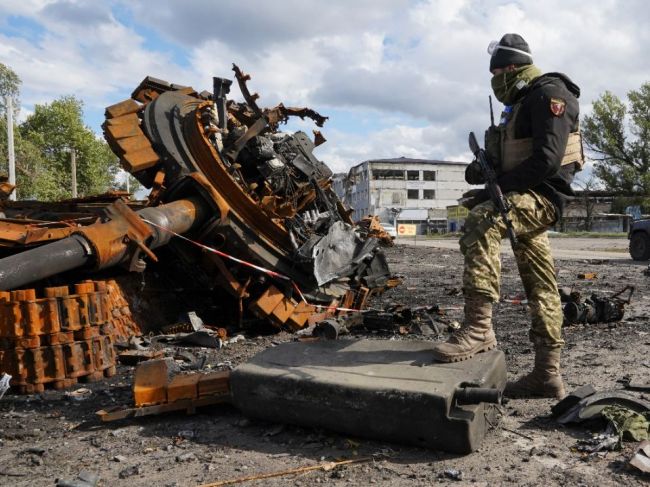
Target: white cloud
{"type": "Point", "coordinates": [92, 56]}
{"type": "Point", "coordinates": [422, 64]}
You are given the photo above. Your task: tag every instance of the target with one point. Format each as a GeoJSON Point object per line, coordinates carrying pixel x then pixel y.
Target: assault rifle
{"type": "Point", "coordinates": [492, 187]}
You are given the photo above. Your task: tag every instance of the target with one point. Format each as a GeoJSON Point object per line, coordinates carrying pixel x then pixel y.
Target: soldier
{"type": "Point", "coordinates": [536, 150]}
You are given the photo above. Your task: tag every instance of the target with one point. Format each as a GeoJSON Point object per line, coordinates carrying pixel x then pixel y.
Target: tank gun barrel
{"type": "Point", "coordinates": [101, 245]}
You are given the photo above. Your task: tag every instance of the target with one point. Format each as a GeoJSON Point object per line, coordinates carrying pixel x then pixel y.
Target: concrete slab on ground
{"type": "Point", "coordinates": [387, 390]}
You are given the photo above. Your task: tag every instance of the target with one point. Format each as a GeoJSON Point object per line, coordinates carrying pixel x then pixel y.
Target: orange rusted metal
{"type": "Point", "coordinates": [111, 240]}
{"type": "Point", "coordinates": [214, 383]}
{"type": "Point", "coordinates": [183, 387]}
{"type": "Point", "coordinates": [374, 229]}
{"type": "Point", "coordinates": [159, 382]}
{"type": "Point", "coordinates": [62, 337]}
{"type": "Point", "coordinates": [150, 381]}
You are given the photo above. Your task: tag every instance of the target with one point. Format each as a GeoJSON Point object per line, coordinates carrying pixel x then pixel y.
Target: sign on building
{"type": "Point", "coordinates": [406, 230]}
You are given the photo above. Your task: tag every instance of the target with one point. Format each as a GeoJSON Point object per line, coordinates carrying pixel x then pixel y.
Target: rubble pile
{"type": "Point", "coordinates": [62, 337]}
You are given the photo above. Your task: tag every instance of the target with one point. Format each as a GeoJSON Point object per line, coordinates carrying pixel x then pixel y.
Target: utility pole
{"type": "Point", "coordinates": [128, 186]}
{"type": "Point", "coordinates": [73, 164]}
{"type": "Point", "coordinates": [9, 105]}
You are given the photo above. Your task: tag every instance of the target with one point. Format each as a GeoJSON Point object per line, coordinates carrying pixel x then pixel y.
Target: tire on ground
{"type": "Point", "coordinates": [640, 246]}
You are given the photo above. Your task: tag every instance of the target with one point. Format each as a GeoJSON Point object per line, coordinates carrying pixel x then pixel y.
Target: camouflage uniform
{"type": "Point", "coordinates": [535, 150]}
{"type": "Point", "coordinates": [531, 215]}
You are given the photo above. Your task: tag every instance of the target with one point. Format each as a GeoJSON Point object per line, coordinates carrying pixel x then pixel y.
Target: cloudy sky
{"type": "Point", "coordinates": [396, 77]}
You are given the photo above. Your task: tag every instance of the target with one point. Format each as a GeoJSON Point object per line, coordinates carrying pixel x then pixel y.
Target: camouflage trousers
{"type": "Point", "coordinates": [531, 215]}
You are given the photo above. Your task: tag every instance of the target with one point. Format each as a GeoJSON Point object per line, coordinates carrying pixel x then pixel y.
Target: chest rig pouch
{"type": "Point", "coordinates": [507, 153]}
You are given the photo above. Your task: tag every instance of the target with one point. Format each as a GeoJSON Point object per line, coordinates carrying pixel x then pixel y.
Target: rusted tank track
{"type": "Point", "coordinates": [64, 336]}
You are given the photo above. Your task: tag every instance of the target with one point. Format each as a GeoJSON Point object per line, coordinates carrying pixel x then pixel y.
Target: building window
{"type": "Point", "coordinates": [396, 198]}
{"type": "Point", "coordinates": [429, 175]}
{"type": "Point", "coordinates": [413, 194]}
{"type": "Point", "coordinates": [413, 176]}
{"type": "Point", "coordinates": [429, 194]}
{"type": "Point", "coordinates": [388, 174]}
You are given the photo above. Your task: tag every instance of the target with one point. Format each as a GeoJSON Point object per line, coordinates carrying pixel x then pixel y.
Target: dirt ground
{"type": "Point", "coordinates": [50, 436]}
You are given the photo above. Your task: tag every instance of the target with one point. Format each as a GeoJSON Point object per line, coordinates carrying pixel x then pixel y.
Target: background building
{"type": "Point", "coordinates": [404, 190]}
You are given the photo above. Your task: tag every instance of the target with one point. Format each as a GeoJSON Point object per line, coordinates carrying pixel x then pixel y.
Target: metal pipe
{"type": "Point", "coordinates": [77, 251]}
{"type": "Point", "coordinates": [41, 262]}
{"type": "Point", "coordinates": [178, 216]}
{"type": "Point", "coordinates": [477, 395]}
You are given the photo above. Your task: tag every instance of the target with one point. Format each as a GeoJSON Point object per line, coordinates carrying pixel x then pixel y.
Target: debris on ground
{"type": "Point", "coordinates": [588, 276]}
{"type": "Point", "coordinates": [160, 387]}
{"type": "Point", "coordinates": [630, 384]}
{"type": "Point", "coordinates": [326, 467]}
{"type": "Point", "coordinates": [626, 417]}
{"type": "Point", "coordinates": [593, 405]}
{"type": "Point", "coordinates": [596, 308]}
{"type": "Point", "coordinates": [84, 479]}
{"type": "Point", "coordinates": [396, 318]}
{"type": "Point", "coordinates": [4, 383]}
{"type": "Point", "coordinates": [572, 399]}
{"type": "Point", "coordinates": [134, 357]}
{"type": "Point", "coordinates": [80, 394]}
{"type": "Point", "coordinates": [606, 441]}
{"type": "Point", "coordinates": [628, 424]}
{"type": "Point", "coordinates": [452, 473]}
{"type": "Point", "coordinates": [641, 458]}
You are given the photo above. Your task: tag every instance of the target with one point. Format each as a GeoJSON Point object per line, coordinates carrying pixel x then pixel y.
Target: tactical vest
{"type": "Point", "coordinates": [506, 152]}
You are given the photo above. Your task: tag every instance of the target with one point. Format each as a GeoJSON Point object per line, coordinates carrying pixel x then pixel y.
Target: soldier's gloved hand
{"type": "Point", "coordinates": [473, 174]}
{"type": "Point", "coordinates": [473, 197]}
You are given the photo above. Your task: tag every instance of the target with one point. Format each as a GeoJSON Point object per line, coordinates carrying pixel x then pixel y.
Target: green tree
{"type": "Point", "coordinates": [30, 173]}
{"type": "Point", "coordinates": [9, 86]}
{"type": "Point", "coordinates": [619, 136]}
{"type": "Point", "coordinates": [56, 129]}
{"type": "Point", "coordinates": [33, 179]}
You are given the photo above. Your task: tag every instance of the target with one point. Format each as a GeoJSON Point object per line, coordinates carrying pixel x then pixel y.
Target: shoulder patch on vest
{"type": "Point", "coordinates": [558, 105]}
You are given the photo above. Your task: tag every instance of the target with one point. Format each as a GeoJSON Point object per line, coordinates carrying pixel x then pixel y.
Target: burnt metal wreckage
{"type": "Point", "coordinates": [246, 210]}
{"type": "Point", "coordinates": [595, 308]}
{"type": "Point", "coordinates": [222, 174]}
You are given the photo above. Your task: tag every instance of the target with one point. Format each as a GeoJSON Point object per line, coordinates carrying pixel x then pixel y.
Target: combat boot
{"type": "Point", "coordinates": [475, 336]}
{"type": "Point", "coordinates": [544, 380]}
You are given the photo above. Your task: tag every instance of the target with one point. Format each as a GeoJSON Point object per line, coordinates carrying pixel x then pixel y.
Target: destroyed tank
{"type": "Point", "coordinates": [233, 196]}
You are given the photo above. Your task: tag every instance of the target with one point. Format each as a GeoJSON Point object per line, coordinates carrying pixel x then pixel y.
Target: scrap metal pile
{"type": "Point", "coordinates": [262, 196]}
{"type": "Point", "coordinates": [240, 205]}
{"type": "Point", "coordinates": [63, 336]}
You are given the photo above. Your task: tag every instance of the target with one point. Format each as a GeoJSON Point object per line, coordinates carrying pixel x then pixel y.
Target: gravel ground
{"type": "Point", "coordinates": [50, 436]}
